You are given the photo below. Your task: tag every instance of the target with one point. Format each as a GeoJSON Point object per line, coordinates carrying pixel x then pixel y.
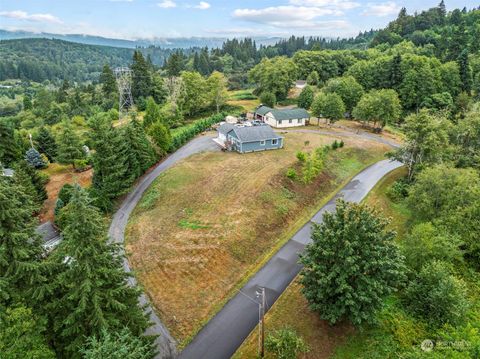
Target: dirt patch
{"type": "Point", "coordinates": [60, 175]}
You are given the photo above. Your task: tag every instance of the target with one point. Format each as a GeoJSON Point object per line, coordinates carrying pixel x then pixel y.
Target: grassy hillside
{"type": "Point", "coordinates": [213, 219]}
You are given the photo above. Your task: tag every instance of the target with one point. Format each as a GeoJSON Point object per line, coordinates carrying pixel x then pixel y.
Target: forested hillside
{"type": "Point", "coordinates": [45, 59]}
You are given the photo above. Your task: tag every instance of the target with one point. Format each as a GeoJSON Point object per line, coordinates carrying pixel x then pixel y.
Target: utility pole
{"type": "Point", "coordinates": [124, 82]}
{"type": "Point", "coordinates": [261, 323]}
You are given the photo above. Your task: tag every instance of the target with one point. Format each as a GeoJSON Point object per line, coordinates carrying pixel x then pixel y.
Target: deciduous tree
{"type": "Point", "coordinates": [351, 265]}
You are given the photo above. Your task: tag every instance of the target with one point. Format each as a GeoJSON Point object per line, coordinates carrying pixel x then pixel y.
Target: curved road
{"type": "Point", "coordinates": [223, 334]}
{"type": "Point", "coordinates": [166, 345]}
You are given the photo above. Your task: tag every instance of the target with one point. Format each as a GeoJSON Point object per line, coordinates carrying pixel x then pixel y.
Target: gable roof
{"type": "Point", "coordinates": [255, 133]}
{"type": "Point", "coordinates": [283, 114]}
{"type": "Point", "coordinates": [225, 128]}
{"type": "Point", "coordinates": [50, 235]}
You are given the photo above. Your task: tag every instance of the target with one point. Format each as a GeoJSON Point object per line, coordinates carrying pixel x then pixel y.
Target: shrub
{"type": "Point", "coordinates": [398, 190]}
{"type": "Point", "coordinates": [301, 156]}
{"type": "Point", "coordinates": [436, 295]}
{"type": "Point", "coordinates": [426, 242]}
{"type": "Point", "coordinates": [341, 144]}
{"type": "Point", "coordinates": [80, 165]}
{"type": "Point", "coordinates": [34, 159]}
{"type": "Point", "coordinates": [291, 173]}
{"type": "Point", "coordinates": [285, 344]}
{"type": "Point", "coordinates": [335, 145]}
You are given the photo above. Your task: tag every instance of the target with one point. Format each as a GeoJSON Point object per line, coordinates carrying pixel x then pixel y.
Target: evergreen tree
{"type": "Point", "coordinates": [204, 63]}
{"type": "Point", "coordinates": [161, 135]}
{"type": "Point", "coordinates": [117, 346]}
{"type": "Point", "coordinates": [107, 79]}
{"type": "Point", "coordinates": [20, 249]}
{"type": "Point", "coordinates": [465, 72]}
{"type": "Point", "coordinates": [91, 289]}
{"type": "Point", "coordinates": [110, 177]}
{"type": "Point", "coordinates": [46, 143]}
{"type": "Point", "coordinates": [27, 102]}
{"type": "Point", "coordinates": [352, 264]}
{"type": "Point", "coordinates": [9, 149]}
{"type": "Point", "coordinates": [175, 64]}
{"type": "Point", "coordinates": [69, 146]}
{"type": "Point", "coordinates": [32, 182]}
{"type": "Point", "coordinates": [140, 147]}
{"type": "Point", "coordinates": [141, 77]}
{"type": "Point", "coordinates": [34, 159]}
{"type": "Point", "coordinates": [152, 113]}
{"type": "Point", "coordinates": [62, 93]}
{"type": "Point", "coordinates": [22, 335]}
{"type": "Point", "coordinates": [396, 72]}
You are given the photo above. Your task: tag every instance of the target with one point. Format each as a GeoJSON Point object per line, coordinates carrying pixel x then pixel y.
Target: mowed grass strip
{"type": "Point", "coordinates": [206, 224]}
{"type": "Point", "coordinates": [291, 309]}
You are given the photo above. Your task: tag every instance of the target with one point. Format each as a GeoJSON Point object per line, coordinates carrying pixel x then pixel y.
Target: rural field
{"type": "Point", "coordinates": [212, 220]}
{"type": "Point", "coordinates": [291, 309]}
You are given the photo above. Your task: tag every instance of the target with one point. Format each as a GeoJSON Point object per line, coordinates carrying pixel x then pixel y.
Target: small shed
{"type": "Point", "coordinates": [289, 117]}
{"type": "Point", "coordinates": [50, 235]}
{"type": "Point", "coordinates": [7, 172]}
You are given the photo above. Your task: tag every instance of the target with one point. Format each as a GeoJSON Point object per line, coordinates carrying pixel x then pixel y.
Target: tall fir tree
{"type": "Point", "coordinates": [465, 71]}
{"type": "Point", "coordinates": [32, 182]}
{"type": "Point", "coordinates": [69, 146]}
{"type": "Point", "coordinates": [110, 171]}
{"type": "Point", "coordinates": [91, 288]}
{"type": "Point", "coordinates": [141, 77]}
{"type": "Point", "coordinates": [46, 143]}
{"type": "Point", "coordinates": [20, 248]}
{"type": "Point", "coordinates": [175, 64]}
{"type": "Point", "coordinates": [10, 150]}
{"type": "Point", "coordinates": [152, 113]}
{"type": "Point", "coordinates": [107, 79]}
{"type": "Point", "coordinates": [141, 152]}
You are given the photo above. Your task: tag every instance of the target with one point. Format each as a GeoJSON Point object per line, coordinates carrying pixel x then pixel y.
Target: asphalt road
{"type": "Point", "coordinates": [166, 345]}
{"type": "Point", "coordinates": [222, 335]}
{"type": "Point", "coordinates": [234, 322]}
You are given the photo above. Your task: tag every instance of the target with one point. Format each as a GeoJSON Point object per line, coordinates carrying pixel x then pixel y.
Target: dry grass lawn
{"type": "Point", "coordinates": [291, 309]}
{"type": "Point", "coordinates": [60, 175]}
{"type": "Point", "coordinates": [210, 221]}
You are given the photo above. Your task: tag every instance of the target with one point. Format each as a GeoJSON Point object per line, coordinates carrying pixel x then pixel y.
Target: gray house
{"type": "Point", "coordinates": [248, 138]}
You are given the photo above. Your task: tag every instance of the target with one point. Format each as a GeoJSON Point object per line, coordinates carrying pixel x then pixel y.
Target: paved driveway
{"type": "Point", "coordinates": [166, 345]}
{"type": "Point", "coordinates": [223, 334]}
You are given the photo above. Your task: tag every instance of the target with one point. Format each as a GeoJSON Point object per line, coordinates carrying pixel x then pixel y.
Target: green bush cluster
{"type": "Point", "coordinates": [312, 163]}
{"type": "Point", "coordinates": [183, 134]}
{"type": "Point", "coordinates": [336, 144]}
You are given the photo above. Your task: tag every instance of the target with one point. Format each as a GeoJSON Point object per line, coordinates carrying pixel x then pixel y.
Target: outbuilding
{"type": "Point", "coordinates": [279, 118]}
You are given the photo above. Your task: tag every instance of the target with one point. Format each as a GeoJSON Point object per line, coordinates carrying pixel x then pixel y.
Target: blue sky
{"type": "Point", "coordinates": [132, 19]}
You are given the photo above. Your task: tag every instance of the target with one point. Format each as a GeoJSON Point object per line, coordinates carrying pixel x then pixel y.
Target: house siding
{"type": "Point", "coordinates": [256, 146]}
{"type": "Point", "coordinates": [272, 121]}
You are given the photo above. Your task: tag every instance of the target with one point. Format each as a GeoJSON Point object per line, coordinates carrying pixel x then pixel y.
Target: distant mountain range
{"type": "Point", "coordinates": [166, 43]}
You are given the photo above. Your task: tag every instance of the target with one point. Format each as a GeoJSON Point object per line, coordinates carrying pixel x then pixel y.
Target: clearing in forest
{"type": "Point", "coordinates": [209, 222]}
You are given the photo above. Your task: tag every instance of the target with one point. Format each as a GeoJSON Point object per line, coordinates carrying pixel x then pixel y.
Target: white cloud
{"type": "Point", "coordinates": [167, 4]}
{"type": "Point", "coordinates": [203, 5]}
{"type": "Point", "coordinates": [283, 16]}
{"type": "Point", "coordinates": [381, 9]}
{"type": "Point", "coordinates": [338, 4]}
{"type": "Point", "coordinates": [22, 15]}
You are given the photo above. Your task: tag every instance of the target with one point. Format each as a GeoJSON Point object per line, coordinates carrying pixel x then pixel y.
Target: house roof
{"type": "Point", "coordinates": [225, 128]}
{"type": "Point", "coordinates": [50, 235]}
{"type": "Point", "coordinates": [7, 172]}
{"type": "Point", "coordinates": [254, 133]}
{"type": "Point", "coordinates": [284, 114]}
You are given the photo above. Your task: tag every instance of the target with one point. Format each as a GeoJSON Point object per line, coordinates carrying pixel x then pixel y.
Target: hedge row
{"type": "Point", "coordinates": [182, 135]}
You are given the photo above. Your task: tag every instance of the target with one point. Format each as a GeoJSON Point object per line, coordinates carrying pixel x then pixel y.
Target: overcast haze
{"type": "Point", "coordinates": [133, 19]}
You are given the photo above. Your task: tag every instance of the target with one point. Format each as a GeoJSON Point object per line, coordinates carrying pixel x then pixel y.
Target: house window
{"type": "Point", "coordinates": [299, 120]}
{"type": "Point", "coordinates": [274, 141]}
{"type": "Point", "coordinates": [279, 122]}
{"type": "Point", "coordinates": [290, 121]}
{"type": "Point", "coordinates": [262, 143]}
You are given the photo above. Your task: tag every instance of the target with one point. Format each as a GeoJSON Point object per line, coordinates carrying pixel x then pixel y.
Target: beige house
{"type": "Point", "coordinates": [280, 118]}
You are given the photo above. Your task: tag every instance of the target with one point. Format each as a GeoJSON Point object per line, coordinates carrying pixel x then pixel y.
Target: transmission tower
{"type": "Point", "coordinates": [124, 82]}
